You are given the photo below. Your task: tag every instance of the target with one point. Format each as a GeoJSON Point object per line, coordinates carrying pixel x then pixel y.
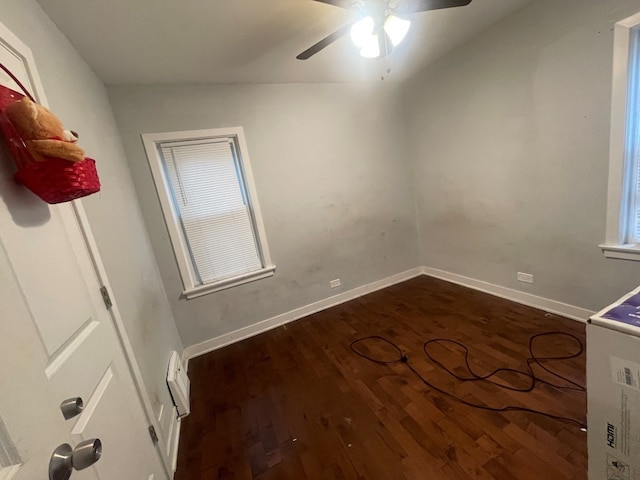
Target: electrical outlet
{"type": "Point", "coordinates": [335, 283]}
{"type": "Point", "coordinates": [525, 277]}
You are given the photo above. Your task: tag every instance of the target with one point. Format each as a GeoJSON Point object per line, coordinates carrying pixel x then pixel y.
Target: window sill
{"type": "Point", "coordinates": [201, 290]}
{"type": "Point", "coordinates": [622, 252]}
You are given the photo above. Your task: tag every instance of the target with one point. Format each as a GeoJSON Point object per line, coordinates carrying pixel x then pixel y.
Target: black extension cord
{"type": "Point", "coordinates": [473, 377]}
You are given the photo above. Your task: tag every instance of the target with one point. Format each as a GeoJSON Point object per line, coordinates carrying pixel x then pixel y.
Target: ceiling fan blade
{"type": "Point", "coordinates": [347, 4]}
{"type": "Point", "coordinates": [413, 6]}
{"type": "Point", "coordinates": [325, 42]}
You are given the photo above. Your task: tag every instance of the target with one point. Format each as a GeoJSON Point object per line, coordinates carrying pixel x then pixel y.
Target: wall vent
{"type": "Point", "coordinates": [179, 385]}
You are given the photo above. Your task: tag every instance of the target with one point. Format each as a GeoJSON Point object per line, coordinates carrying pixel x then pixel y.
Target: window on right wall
{"type": "Point", "coordinates": [623, 202]}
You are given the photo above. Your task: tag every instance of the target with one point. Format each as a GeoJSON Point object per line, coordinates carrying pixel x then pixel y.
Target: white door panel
{"type": "Point", "coordinates": [110, 400]}
{"type": "Point", "coordinates": [51, 278]}
{"type": "Point", "coordinates": [57, 340]}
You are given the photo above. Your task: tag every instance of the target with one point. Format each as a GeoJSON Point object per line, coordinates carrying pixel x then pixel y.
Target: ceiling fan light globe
{"type": "Point", "coordinates": [371, 48]}
{"type": "Point", "coordinates": [396, 28]}
{"type": "Point", "coordinates": [361, 31]}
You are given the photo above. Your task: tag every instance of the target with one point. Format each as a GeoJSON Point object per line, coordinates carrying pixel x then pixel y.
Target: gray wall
{"type": "Point", "coordinates": [330, 171]}
{"type": "Point", "coordinates": [509, 139]}
{"type": "Point", "coordinates": [80, 100]}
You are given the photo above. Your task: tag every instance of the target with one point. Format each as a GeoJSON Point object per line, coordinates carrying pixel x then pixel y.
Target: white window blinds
{"type": "Point", "coordinates": [209, 197]}
{"type": "Point", "coordinates": [633, 153]}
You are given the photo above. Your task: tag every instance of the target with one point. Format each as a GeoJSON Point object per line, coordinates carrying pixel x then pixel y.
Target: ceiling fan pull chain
{"type": "Point", "coordinates": [388, 57]}
{"type": "Point", "coordinates": [388, 63]}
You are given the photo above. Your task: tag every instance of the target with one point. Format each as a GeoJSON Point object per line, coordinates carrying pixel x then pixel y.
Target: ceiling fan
{"type": "Point", "coordinates": [381, 26]}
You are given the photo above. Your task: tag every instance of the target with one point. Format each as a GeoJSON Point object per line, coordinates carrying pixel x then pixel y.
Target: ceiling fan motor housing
{"type": "Point", "coordinates": [379, 11]}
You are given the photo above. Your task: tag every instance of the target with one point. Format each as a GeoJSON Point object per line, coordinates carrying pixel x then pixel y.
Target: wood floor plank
{"type": "Point", "coordinates": [297, 403]}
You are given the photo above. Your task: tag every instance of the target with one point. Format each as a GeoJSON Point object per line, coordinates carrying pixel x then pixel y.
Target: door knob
{"type": "Point", "coordinates": [86, 454]}
{"type": "Point", "coordinates": [65, 460]}
{"type": "Point", "coordinates": [71, 407]}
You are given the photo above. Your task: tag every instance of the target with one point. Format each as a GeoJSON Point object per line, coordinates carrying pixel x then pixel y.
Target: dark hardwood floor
{"type": "Point", "coordinates": [297, 403]}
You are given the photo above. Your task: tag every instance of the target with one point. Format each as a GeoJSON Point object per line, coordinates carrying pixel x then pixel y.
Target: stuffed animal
{"type": "Point", "coordinates": [42, 132]}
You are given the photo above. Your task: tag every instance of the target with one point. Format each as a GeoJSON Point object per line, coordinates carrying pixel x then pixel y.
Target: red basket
{"type": "Point", "coordinates": [53, 180]}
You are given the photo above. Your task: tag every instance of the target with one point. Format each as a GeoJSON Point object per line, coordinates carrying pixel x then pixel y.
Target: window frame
{"type": "Point", "coordinates": [192, 286]}
{"type": "Point", "coordinates": [624, 127]}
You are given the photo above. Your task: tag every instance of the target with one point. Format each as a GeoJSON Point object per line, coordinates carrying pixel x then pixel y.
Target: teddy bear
{"type": "Point", "coordinates": [42, 132]}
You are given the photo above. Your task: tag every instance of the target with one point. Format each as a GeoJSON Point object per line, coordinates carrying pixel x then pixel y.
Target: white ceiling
{"type": "Point", "coordinates": [250, 41]}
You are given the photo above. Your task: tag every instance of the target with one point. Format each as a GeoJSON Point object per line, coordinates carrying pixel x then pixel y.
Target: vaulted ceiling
{"type": "Point", "coordinates": [250, 41]}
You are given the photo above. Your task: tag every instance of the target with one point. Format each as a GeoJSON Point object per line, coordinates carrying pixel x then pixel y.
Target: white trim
{"type": "Point", "coordinates": [175, 443]}
{"type": "Point", "coordinates": [22, 51]}
{"type": "Point", "coordinates": [171, 217]}
{"type": "Point", "coordinates": [617, 214]}
{"type": "Point", "coordinates": [172, 424]}
{"type": "Point", "coordinates": [229, 282]}
{"type": "Point", "coordinates": [185, 360]}
{"type": "Point", "coordinates": [630, 22]}
{"type": "Point", "coordinates": [278, 320]}
{"type": "Point", "coordinates": [173, 439]}
{"type": "Point", "coordinates": [191, 284]}
{"type": "Point", "coordinates": [551, 306]}
{"type": "Point", "coordinates": [253, 195]}
{"type": "Point", "coordinates": [121, 331]}
{"type": "Point", "coordinates": [160, 413]}
{"type": "Point", "coordinates": [623, 252]}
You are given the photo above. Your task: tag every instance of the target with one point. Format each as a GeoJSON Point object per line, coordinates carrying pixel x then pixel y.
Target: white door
{"type": "Point", "coordinates": [57, 340]}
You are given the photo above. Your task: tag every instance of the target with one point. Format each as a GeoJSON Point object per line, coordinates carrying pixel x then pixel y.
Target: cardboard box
{"type": "Point", "coordinates": [613, 390]}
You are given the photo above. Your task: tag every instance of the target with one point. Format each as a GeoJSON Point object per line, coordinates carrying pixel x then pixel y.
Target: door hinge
{"type": "Point", "coordinates": [106, 297]}
{"type": "Point", "coordinates": [153, 435]}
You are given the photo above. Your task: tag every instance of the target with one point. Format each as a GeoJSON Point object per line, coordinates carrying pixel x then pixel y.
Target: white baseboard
{"type": "Point", "coordinates": [263, 326]}
{"type": "Point", "coordinates": [551, 306]}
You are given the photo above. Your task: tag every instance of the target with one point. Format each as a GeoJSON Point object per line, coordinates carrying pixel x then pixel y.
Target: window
{"type": "Point", "coordinates": [208, 198]}
{"type": "Point", "coordinates": [623, 207]}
